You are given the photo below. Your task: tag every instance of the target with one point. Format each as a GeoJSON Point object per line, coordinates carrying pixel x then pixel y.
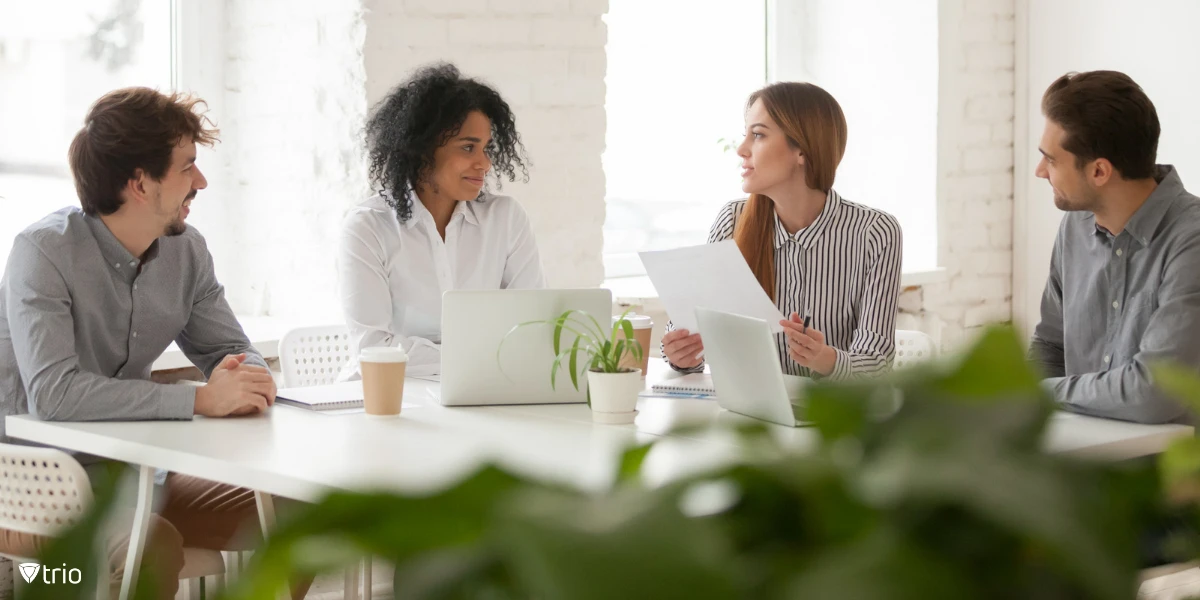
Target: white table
{"type": "Point", "coordinates": [301, 454]}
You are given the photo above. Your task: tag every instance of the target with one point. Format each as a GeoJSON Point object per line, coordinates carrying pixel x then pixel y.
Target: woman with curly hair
{"type": "Point", "coordinates": [433, 224]}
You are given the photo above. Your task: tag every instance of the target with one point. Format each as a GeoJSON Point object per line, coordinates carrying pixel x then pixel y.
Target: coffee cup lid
{"type": "Point", "coordinates": [383, 355]}
{"type": "Point", "coordinates": [638, 321]}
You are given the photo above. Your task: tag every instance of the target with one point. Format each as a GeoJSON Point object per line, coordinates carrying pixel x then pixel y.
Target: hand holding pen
{"type": "Point", "coordinates": [806, 346]}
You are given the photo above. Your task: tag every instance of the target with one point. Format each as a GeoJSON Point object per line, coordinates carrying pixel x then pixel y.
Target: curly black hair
{"type": "Point", "coordinates": [423, 113]}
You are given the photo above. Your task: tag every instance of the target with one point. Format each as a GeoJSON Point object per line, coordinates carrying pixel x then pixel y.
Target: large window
{"type": "Point", "coordinates": [678, 78]}
{"type": "Point", "coordinates": [879, 58]}
{"type": "Point", "coordinates": [56, 58]}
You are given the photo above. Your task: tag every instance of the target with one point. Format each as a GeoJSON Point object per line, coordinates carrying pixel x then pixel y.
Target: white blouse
{"type": "Point", "coordinates": [391, 275]}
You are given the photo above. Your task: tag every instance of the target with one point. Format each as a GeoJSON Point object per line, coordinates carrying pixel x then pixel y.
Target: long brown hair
{"type": "Point", "coordinates": [813, 123]}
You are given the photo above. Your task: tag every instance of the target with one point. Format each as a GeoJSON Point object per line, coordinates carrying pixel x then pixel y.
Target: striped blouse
{"type": "Point", "coordinates": [844, 270]}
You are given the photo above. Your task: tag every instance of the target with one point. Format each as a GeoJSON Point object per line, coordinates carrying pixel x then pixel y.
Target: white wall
{"type": "Point", "coordinates": [1154, 42]}
{"type": "Point", "coordinates": [974, 174]}
{"type": "Point", "coordinates": [291, 114]}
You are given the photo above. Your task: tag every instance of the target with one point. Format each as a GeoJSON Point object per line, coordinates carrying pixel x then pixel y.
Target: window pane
{"type": "Point", "coordinates": [879, 58]}
{"type": "Point", "coordinates": [678, 78]}
{"type": "Point", "coordinates": [56, 58]}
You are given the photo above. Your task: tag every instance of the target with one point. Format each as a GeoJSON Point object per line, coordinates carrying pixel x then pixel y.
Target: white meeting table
{"type": "Point", "coordinates": [304, 455]}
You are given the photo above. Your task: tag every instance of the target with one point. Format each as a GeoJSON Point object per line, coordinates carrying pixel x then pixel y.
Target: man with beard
{"type": "Point", "coordinates": [1124, 291]}
{"type": "Point", "coordinates": [92, 295]}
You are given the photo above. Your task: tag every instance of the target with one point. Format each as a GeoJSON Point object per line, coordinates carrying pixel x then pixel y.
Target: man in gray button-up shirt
{"type": "Point", "coordinates": [1124, 285]}
{"type": "Point", "coordinates": [89, 298]}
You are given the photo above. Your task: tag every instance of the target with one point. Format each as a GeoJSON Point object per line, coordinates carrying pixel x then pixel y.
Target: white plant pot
{"type": "Point", "coordinates": [614, 396]}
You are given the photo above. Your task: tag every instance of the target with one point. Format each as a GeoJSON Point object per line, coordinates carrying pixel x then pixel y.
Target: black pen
{"type": "Point", "coordinates": [807, 322]}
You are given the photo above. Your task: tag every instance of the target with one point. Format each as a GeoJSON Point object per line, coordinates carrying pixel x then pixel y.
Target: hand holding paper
{"type": "Point", "coordinates": [712, 276]}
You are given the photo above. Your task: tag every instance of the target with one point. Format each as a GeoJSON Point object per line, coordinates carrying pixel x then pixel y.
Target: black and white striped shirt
{"type": "Point", "coordinates": [844, 270]}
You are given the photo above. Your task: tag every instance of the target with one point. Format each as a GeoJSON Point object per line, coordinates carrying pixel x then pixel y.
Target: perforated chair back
{"type": "Point", "coordinates": [42, 490]}
{"type": "Point", "coordinates": [912, 347]}
{"type": "Point", "coordinates": [313, 355]}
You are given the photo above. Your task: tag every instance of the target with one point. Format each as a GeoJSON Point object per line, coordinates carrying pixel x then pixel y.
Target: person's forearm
{"type": "Point", "coordinates": [854, 365]}
{"type": "Point", "coordinates": [1126, 394]}
{"type": "Point", "coordinates": [76, 395]}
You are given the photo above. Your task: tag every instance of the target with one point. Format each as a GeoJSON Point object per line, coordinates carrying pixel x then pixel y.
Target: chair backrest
{"type": "Point", "coordinates": [313, 355]}
{"type": "Point", "coordinates": [912, 347]}
{"type": "Point", "coordinates": [42, 490]}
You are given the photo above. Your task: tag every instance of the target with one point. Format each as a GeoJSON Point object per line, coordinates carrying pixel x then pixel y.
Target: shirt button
{"type": "Point", "coordinates": [1106, 359]}
{"type": "Point", "coordinates": [135, 286]}
{"type": "Point", "coordinates": [1118, 251]}
{"type": "Point", "coordinates": [120, 373]}
{"type": "Point", "coordinates": [1116, 304]}
{"type": "Point", "coordinates": [116, 265]}
{"type": "Point", "coordinates": [135, 334]}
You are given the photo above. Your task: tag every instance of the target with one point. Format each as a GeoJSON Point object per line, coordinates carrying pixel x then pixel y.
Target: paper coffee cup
{"type": "Point", "coordinates": [383, 380]}
{"type": "Point", "coordinates": [642, 326]}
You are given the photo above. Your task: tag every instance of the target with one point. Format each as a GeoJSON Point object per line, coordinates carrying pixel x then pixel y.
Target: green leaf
{"type": "Point", "coordinates": [633, 544]}
{"type": "Point", "coordinates": [882, 566]}
{"type": "Point", "coordinates": [627, 327]}
{"type": "Point", "coordinates": [1029, 495]}
{"type": "Point", "coordinates": [575, 361]}
{"type": "Point", "coordinates": [398, 529]}
{"type": "Point", "coordinates": [995, 367]}
{"type": "Point", "coordinates": [631, 461]}
{"type": "Point", "coordinates": [1179, 382]}
{"type": "Point", "coordinates": [558, 327]}
{"type": "Point", "coordinates": [1180, 466]}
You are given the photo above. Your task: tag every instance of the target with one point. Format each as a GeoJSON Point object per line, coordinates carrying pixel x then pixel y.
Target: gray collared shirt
{"type": "Point", "coordinates": [1114, 305]}
{"type": "Point", "coordinates": [82, 320]}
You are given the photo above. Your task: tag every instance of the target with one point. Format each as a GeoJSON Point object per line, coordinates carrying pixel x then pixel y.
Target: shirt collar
{"type": "Point", "coordinates": [115, 255]}
{"type": "Point", "coordinates": [419, 212]}
{"type": "Point", "coordinates": [809, 235]}
{"type": "Point", "coordinates": [1144, 223]}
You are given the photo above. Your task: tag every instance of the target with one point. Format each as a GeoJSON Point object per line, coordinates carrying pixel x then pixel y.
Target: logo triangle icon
{"type": "Point", "coordinates": [29, 571]}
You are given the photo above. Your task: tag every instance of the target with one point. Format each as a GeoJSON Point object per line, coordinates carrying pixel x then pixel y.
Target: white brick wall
{"type": "Point", "coordinates": [547, 59]}
{"type": "Point", "coordinates": [293, 106]}
{"type": "Point", "coordinates": [975, 174]}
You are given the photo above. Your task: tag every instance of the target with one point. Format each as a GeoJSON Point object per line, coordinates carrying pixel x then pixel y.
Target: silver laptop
{"type": "Point", "coordinates": [746, 375]}
{"type": "Point", "coordinates": [475, 322]}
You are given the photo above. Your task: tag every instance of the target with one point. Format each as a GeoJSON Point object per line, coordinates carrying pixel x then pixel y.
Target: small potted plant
{"type": "Point", "coordinates": [612, 389]}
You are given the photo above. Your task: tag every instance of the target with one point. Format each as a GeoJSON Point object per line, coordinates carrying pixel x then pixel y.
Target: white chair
{"type": "Point", "coordinates": [912, 347]}
{"type": "Point", "coordinates": [313, 355]}
{"type": "Point", "coordinates": [44, 490]}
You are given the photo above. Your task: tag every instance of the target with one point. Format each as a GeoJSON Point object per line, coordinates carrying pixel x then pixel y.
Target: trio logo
{"type": "Point", "coordinates": [30, 572]}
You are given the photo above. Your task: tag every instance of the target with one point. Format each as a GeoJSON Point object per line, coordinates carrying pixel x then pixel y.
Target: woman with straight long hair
{"type": "Point", "coordinates": [830, 265]}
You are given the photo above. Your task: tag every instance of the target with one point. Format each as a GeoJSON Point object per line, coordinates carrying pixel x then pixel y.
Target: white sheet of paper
{"type": "Point", "coordinates": [713, 276]}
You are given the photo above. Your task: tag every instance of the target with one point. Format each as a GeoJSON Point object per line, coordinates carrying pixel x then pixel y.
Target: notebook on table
{"type": "Point", "coordinates": [323, 397]}
{"type": "Point", "coordinates": [691, 384]}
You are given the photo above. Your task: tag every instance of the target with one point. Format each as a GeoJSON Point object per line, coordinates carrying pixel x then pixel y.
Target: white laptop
{"type": "Point", "coordinates": [746, 375]}
{"type": "Point", "coordinates": [475, 322]}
